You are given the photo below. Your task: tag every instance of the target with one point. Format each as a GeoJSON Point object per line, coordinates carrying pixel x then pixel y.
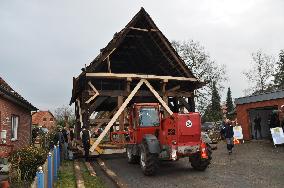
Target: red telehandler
{"type": "Point", "coordinates": [152, 137]}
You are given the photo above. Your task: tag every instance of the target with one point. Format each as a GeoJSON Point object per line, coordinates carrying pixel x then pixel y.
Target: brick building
{"type": "Point", "coordinates": [43, 119]}
{"type": "Point", "coordinates": [248, 107]}
{"type": "Point", "coordinates": [15, 118]}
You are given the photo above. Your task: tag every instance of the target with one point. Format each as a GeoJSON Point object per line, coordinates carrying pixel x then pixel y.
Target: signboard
{"type": "Point", "coordinates": [277, 135]}
{"type": "Point", "coordinates": [238, 132]}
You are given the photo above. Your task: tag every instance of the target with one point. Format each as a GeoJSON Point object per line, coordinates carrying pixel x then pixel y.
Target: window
{"type": "Point", "coordinates": [14, 128]}
{"type": "Point", "coordinates": [149, 117]}
{"type": "Point", "coordinates": [51, 119]}
{"type": "Point", "coordinates": [44, 119]}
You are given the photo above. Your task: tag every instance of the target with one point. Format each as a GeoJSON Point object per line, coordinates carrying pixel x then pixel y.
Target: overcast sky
{"type": "Point", "coordinates": [43, 44]}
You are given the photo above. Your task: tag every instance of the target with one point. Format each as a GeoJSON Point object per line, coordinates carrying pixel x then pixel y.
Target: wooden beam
{"type": "Point", "coordinates": [96, 93]}
{"type": "Point", "coordinates": [113, 119]}
{"type": "Point", "coordinates": [121, 117]}
{"type": "Point", "coordinates": [80, 112]}
{"type": "Point", "coordinates": [109, 54]}
{"type": "Point", "coordinates": [108, 64]}
{"type": "Point", "coordinates": [95, 121]}
{"type": "Point", "coordinates": [158, 97]}
{"type": "Point", "coordinates": [138, 76]}
{"type": "Point", "coordinates": [141, 93]}
{"type": "Point", "coordinates": [174, 88]}
{"type": "Point", "coordinates": [138, 29]}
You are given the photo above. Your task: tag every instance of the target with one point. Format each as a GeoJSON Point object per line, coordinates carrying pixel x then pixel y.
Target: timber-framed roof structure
{"type": "Point", "coordinates": [138, 51]}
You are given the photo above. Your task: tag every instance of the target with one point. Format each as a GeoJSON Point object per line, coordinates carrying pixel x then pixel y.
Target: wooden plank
{"type": "Point", "coordinates": [80, 112]}
{"type": "Point", "coordinates": [90, 169]}
{"type": "Point", "coordinates": [138, 29]}
{"type": "Point", "coordinates": [158, 97]}
{"type": "Point", "coordinates": [113, 119]}
{"type": "Point", "coordinates": [139, 76]}
{"type": "Point", "coordinates": [96, 93]}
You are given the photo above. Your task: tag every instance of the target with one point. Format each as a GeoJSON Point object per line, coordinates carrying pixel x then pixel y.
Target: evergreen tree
{"type": "Point", "coordinates": [279, 76]}
{"type": "Point", "coordinates": [229, 103]}
{"type": "Point", "coordinates": [216, 113]}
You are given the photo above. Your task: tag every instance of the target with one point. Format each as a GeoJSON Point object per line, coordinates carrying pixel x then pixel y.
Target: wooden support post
{"type": "Point", "coordinates": [80, 112]}
{"type": "Point", "coordinates": [108, 64]}
{"type": "Point", "coordinates": [128, 84]}
{"type": "Point", "coordinates": [121, 117]}
{"type": "Point", "coordinates": [165, 97]}
{"type": "Point", "coordinates": [113, 119]}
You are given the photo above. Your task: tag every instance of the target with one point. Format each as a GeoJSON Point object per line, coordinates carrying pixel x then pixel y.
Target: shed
{"type": "Point", "coordinates": [263, 104]}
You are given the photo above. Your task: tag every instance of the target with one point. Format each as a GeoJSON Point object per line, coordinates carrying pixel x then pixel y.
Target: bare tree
{"type": "Point", "coordinates": [200, 63]}
{"type": "Point", "coordinates": [63, 112]}
{"type": "Point", "coordinates": [260, 75]}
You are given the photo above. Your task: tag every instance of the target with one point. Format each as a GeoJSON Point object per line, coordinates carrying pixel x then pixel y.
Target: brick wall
{"type": "Point", "coordinates": [243, 115]}
{"type": "Point", "coordinates": [49, 121]}
{"type": "Point", "coordinates": [8, 109]}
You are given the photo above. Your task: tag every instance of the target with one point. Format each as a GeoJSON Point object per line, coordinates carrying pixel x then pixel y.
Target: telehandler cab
{"type": "Point", "coordinates": [153, 137]}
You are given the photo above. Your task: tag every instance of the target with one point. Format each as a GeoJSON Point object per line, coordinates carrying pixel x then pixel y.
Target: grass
{"type": "Point", "coordinates": [90, 181]}
{"type": "Point", "coordinates": [66, 175]}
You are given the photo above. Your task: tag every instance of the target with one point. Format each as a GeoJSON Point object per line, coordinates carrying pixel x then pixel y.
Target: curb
{"type": "Point", "coordinates": [112, 175]}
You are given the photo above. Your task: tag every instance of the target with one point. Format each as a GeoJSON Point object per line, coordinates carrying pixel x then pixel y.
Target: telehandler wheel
{"type": "Point", "coordinates": [130, 157]}
{"type": "Point", "coordinates": [148, 161]}
{"type": "Point", "coordinates": [198, 163]}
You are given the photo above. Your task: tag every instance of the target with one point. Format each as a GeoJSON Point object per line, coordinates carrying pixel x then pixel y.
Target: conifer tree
{"type": "Point", "coordinates": [279, 76]}
{"type": "Point", "coordinates": [229, 103]}
{"type": "Point", "coordinates": [216, 113]}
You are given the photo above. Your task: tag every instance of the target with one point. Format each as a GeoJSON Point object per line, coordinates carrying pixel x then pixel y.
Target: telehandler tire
{"type": "Point", "coordinates": [148, 161]}
{"type": "Point", "coordinates": [198, 163]}
{"type": "Point", "coordinates": [130, 157]}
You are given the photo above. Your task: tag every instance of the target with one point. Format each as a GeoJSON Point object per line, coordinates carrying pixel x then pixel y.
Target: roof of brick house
{"type": "Point", "coordinates": [9, 93]}
{"type": "Point", "coordinates": [38, 116]}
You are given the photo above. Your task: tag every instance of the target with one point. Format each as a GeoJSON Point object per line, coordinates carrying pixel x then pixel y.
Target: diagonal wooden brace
{"type": "Point", "coordinates": [123, 106]}
{"type": "Point", "coordinates": [95, 95]}
{"type": "Point", "coordinates": [113, 119]}
{"type": "Point", "coordinates": [158, 97]}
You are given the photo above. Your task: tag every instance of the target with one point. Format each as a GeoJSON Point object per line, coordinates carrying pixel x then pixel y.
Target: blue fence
{"type": "Point", "coordinates": [47, 174]}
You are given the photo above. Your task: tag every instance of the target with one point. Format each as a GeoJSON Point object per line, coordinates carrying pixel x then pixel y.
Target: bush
{"type": "Point", "coordinates": [25, 162]}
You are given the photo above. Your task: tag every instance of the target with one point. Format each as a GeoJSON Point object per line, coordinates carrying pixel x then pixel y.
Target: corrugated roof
{"type": "Point", "coordinates": [261, 97]}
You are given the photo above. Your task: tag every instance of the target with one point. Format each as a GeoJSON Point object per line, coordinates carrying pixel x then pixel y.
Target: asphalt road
{"type": "Point", "coordinates": [254, 164]}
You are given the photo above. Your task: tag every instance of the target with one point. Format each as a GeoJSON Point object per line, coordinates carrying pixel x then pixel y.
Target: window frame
{"type": "Point", "coordinates": [14, 134]}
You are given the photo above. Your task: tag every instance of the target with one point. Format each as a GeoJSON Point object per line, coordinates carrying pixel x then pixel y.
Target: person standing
{"type": "Point", "coordinates": [85, 136]}
{"type": "Point", "coordinates": [257, 126]}
{"type": "Point", "coordinates": [65, 144]}
{"type": "Point", "coordinates": [228, 133]}
{"type": "Point", "coordinates": [71, 134]}
{"type": "Point", "coordinates": [59, 139]}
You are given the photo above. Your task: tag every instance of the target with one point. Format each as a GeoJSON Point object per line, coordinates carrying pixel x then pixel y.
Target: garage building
{"type": "Point", "coordinates": [248, 107]}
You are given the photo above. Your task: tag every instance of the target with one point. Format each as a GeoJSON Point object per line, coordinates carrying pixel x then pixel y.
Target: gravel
{"type": "Point", "coordinates": [252, 164]}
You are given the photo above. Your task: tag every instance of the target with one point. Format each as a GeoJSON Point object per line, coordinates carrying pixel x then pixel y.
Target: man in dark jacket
{"type": "Point", "coordinates": [85, 136]}
{"type": "Point", "coordinates": [257, 126]}
{"type": "Point", "coordinates": [228, 133]}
